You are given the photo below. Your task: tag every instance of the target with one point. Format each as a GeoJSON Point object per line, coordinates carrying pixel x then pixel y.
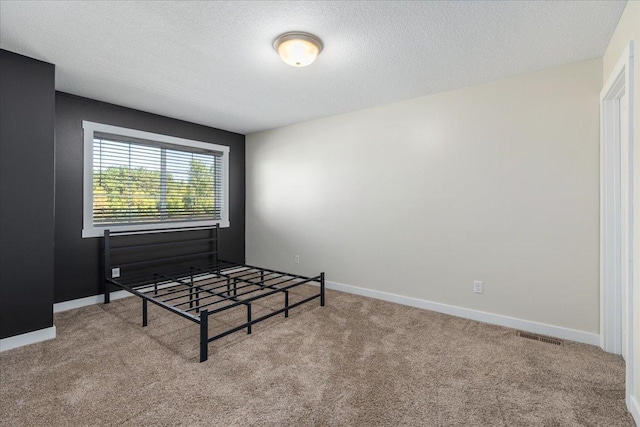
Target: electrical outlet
{"type": "Point", "coordinates": [115, 272]}
{"type": "Point", "coordinates": [478, 287]}
{"type": "Point", "coordinates": [296, 259]}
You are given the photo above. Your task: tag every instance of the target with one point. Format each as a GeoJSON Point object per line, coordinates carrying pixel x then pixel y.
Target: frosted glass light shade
{"type": "Point", "coordinates": [298, 49]}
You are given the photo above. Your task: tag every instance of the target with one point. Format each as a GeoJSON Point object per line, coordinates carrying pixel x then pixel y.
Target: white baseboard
{"type": "Point", "coordinates": [480, 316]}
{"type": "Point", "coordinates": [634, 408]}
{"type": "Point", "coordinates": [98, 299]}
{"type": "Point", "coordinates": [28, 338]}
{"type": "Point", "coordinates": [83, 302]}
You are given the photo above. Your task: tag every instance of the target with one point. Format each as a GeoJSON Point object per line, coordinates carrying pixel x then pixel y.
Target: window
{"type": "Point", "coordinates": [135, 180]}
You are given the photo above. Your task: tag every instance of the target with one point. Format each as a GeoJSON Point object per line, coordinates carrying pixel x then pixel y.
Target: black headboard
{"type": "Point", "coordinates": [139, 258]}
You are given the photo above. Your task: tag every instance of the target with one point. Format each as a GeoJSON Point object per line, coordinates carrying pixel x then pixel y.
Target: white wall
{"type": "Point", "coordinates": [629, 29]}
{"type": "Point", "coordinates": [496, 182]}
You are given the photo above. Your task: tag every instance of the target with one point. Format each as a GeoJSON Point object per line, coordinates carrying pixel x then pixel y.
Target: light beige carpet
{"type": "Point", "coordinates": [355, 362]}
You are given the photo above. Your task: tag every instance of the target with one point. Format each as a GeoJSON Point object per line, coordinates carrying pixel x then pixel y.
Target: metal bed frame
{"type": "Point", "coordinates": [195, 291]}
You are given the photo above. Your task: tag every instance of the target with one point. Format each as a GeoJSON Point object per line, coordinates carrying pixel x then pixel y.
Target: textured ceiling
{"type": "Point", "coordinates": [213, 62]}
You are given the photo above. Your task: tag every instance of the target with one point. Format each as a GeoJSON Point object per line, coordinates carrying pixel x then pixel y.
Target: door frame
{"type": "Point", "coordinates": [619, 82]}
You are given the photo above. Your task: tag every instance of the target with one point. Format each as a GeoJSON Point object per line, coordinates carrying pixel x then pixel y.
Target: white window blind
{"type": "Point", "coordinates": [138, 183]}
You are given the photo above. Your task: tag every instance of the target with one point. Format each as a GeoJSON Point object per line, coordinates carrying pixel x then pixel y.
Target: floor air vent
{"type": "Point", "coordinates": [540, 338]}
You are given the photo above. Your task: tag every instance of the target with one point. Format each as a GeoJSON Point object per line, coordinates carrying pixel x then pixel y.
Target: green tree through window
{"type": "Point", "coordinates": [134, 183]}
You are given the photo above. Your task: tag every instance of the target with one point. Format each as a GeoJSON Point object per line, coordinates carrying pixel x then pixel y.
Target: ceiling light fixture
{"type": "Point", "coordinates": [297, 48]}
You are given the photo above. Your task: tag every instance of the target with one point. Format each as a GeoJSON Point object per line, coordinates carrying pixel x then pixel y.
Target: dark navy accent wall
{"type": "Point", "coordinates": [27, 103]}
{"type": "Point", "coordinates": [78, 266]}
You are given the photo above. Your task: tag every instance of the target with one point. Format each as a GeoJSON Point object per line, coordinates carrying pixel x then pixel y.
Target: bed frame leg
{"type": "Point", "coordinates": [204, 335]}
{"type": "Point", "coordinates": [249, 319]}
{"type": "Point", "coordinates": [144, 312]}
{"type": "Point", "coordinates": [107, 292]}
{"type": "Point", "coordinates": [322, 289]}
{"type": "Point", "coordinates": [286, 303]}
